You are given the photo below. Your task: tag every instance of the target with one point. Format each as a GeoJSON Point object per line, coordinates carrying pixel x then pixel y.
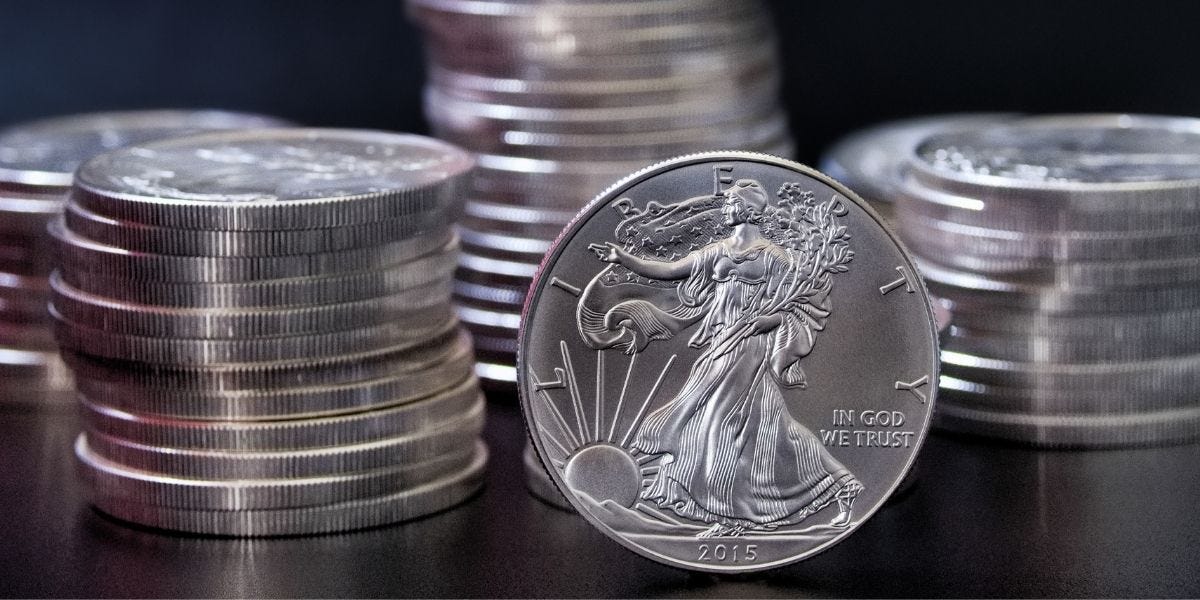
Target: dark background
{"type": "Point", "coordinates": [982, 519]}
{"type": "Point", "coordinates": [358, 63]}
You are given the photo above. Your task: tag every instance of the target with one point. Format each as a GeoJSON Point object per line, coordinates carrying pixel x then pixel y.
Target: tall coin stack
{"type": "Point", "coordinates": [561, 99]}
{"type": "Point", "coordinates": [37, 162]}
{"type": "Point", "coordinates": [1068, 251]}
{"type": "Point", "coordinates": [260, 327]}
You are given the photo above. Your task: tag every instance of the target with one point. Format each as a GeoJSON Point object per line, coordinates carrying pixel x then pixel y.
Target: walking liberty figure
{"type": "Point", "coordinates": [753, 275]}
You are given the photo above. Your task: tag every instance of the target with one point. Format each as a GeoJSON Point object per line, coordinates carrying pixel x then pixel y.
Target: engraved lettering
{"type": "Point", "coordinates": [843, 418]}
{"type": "Point", "coordinates": [719, 179]}
{"type": "Point", "coordinates": [912, 387]}
{"type": "Point", "coordinates": [905, 280]}
{"type": "Point", "coordinates": [728, 553]}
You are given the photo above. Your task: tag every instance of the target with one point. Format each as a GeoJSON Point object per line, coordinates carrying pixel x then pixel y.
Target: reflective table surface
{"type": "Point", "coordinates": [979, 519]}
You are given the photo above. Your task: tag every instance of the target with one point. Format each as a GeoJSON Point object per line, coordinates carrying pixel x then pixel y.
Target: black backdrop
{"type": "Point", "coordinates": [358, 63]}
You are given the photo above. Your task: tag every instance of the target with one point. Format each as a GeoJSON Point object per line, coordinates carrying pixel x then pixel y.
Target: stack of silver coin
{"type": "Point", "coordinates": [260, 327]}
{"type": "Point", "coordinates": [1068, 251]}
{"type": "Point", "coordinates": [872, 161]}
{"type": "Point", "coordinates": [560, 100]}
{"type": "Point", "coordinates": [37, 162]}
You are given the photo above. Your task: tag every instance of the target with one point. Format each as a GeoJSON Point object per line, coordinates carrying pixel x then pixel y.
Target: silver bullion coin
{"type": "Point", "coordinates": [45, 153]}
{"type": "Point", "coordinates": [1077, 173]}
{"type": "Point", "coordinates": [449, 490]}
{"type": "Point", "coordinates": [410, 382]}
{"type": "Point", "coordinates": [288, 434]}
{"type": "Point", "coordinates": [669, 374]}
{"type": "Point", "coordinates": [77, 253]}
{"type": "Point", "coordinates": [408, 306]}
{"type": "Point", "coordinates": [251, 377]}
{"type": "Point", "coordinates": [1074, 430]}
{"type": "Point", "coordinates": [114, 480]}
{"type": "Point", "coordinates": [871, 161]}
{"type": "Point", "coordinates": [277, 179]}
{"type": "Point", "coordinates": [191, 242]}
{"type": "Point", "coordinates": [430, 272]}
{"type": "Point", "coordinates": [944, 237]}
{"type": "Point", "coordinates": [459, 431]}
{"type": "Point", "coordinates": [198, 351]}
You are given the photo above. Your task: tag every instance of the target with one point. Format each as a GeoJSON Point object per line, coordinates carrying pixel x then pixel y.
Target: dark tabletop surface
{"type": "Point", "coordinates": [980, 519]}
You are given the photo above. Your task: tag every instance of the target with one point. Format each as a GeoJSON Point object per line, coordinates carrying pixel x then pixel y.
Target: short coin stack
{"type": "Point", "coordinates": [260, 327]}
{"type": "Point", "coordinates": [37, 162]}
{"type": "Point", "coordinates": [1068, 251]}
{"type": "Point", "coordinates": [560, 99]}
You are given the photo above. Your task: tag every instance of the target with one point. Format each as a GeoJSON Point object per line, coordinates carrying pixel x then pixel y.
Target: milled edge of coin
{"type": "Point", "coordinates": [79, 253]}
{"type": "Point", "coordinates": [346, 368]}
{"type": "Point", "coordinates": [426, 499]}
{"type": "Point", "coordinates": [432, 272]}
{"type": "Point", "coordinates": [272, 403]}
{"type": "Point", "coordinates": [117, 481]}
{"type": "Point", "coordinates": [198, 351]}
{"type": "Point", "coordinates": [310, 213]}
{"type": "Point", "coordinates": [291, 434]}
{"type": "Point", "coordinates": [152, 239]}
{"type": "Point", "coordinates": [115, 316]}
{"type": "Point", "coordinates": [428, 442]}
{"type": "Point", "coordinates": [601, 200]}
{"type": "Point", "coordinates": [1175, 425]}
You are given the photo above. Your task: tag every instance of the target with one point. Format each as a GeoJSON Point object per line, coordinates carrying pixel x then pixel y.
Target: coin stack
{"type": "Point", "coordinates": [1068, 251]}
{"type": "Point", "coordinates": [871, 161]}
{"type": "Point", "coordinates": [260, 327]}
{"type": "Point", "coordinates": [37, 161]}
{"type": "Point", "coordinates": [561, 99]}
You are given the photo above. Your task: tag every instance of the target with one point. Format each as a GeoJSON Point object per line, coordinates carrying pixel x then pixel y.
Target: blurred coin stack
{"type": "Point", "coordinates": [260, 327]}
{"type": "Point", "coordinates": [560, 100]}
{"type": "Point", "coordinates": [37, 162]}
{"type": "Point", "coordinates": [1068, 251]}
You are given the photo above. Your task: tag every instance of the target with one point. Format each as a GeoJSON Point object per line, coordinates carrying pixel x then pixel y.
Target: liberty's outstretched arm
{"type": "Point", "coordinates": [653, 269]}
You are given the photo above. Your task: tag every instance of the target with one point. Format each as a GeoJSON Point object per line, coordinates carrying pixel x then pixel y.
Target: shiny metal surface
{"type": "Point", "coordinates": [727, 362]}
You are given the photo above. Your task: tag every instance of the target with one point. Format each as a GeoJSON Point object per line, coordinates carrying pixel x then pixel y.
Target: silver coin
{"type": "Point", "coordinates": [459, 431]}
{"type": "Point", "coordinates": [258, 377]}
{"type": "Point", "coordinates": [432, 497]}
{"type": "Point", "coordinates": [1109, 275]}
{"type": "Point", "coordinates": [506, 272]}
{"type": "Point", "coordinates": [28, 215]}
{"type": "Point", "coordinates": [600, 92]}
{"type": "Point", "coordinates": [443, 110]}
{"type": "Point", "coordinates": [1136, 378]}
{"type": "Point", "coordinates": [494, 375]}
{"type": "Point", "coordinates": [188, 242]}
{"type": "Point", "coordinates": [409, 383]}
{"type": "Point", "coordinates": [724, 453]}
{"type": "Point", "coordinates": [508, 298]}
{"type": "Point", "coordinates": [430, 272]}
{"type": "Point", "coordinates": [1005, 399]}
{"type": "Point", "coordinates": [482, 41]}
{"type": "Point", "coordinates": [949, 239]}
{"type": "Point", "coordinates": [755, 132]}
{"type": "Point", "coordinates": [408, 306]}
{"type": "Point", "coordinates": [31, 336]}
{"type": "Point", "coordinates": [188, 351]}
{"type": "Point", "coordinates": [45, 153]}
{"type": "Point", "coordinates": [290, 434]}
{"type": "Point", "coordinates": [499, 245]}
{"type": "Point", "coordinates": [273, 180]}
{"type": "Point", "coordinates": [113, 480]}
{"type": "Point", "coordinates": [1074, 431]}
{"type": "Point", "coordinates": [83, 255]}
{"type": "Point", "coordinates": [1103, 345]}
{"type": "Point", "coordinates": [871, 161]}
{"type": "Point", "coordinates": [969, 289]}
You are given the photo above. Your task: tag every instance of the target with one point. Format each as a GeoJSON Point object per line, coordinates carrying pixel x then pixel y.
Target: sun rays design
{"type": "Point", "coordinates": [587, 440]}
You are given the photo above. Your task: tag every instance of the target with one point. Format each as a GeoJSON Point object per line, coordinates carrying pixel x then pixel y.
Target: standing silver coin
{"type": "Point", "coordinates": [727, 363]}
